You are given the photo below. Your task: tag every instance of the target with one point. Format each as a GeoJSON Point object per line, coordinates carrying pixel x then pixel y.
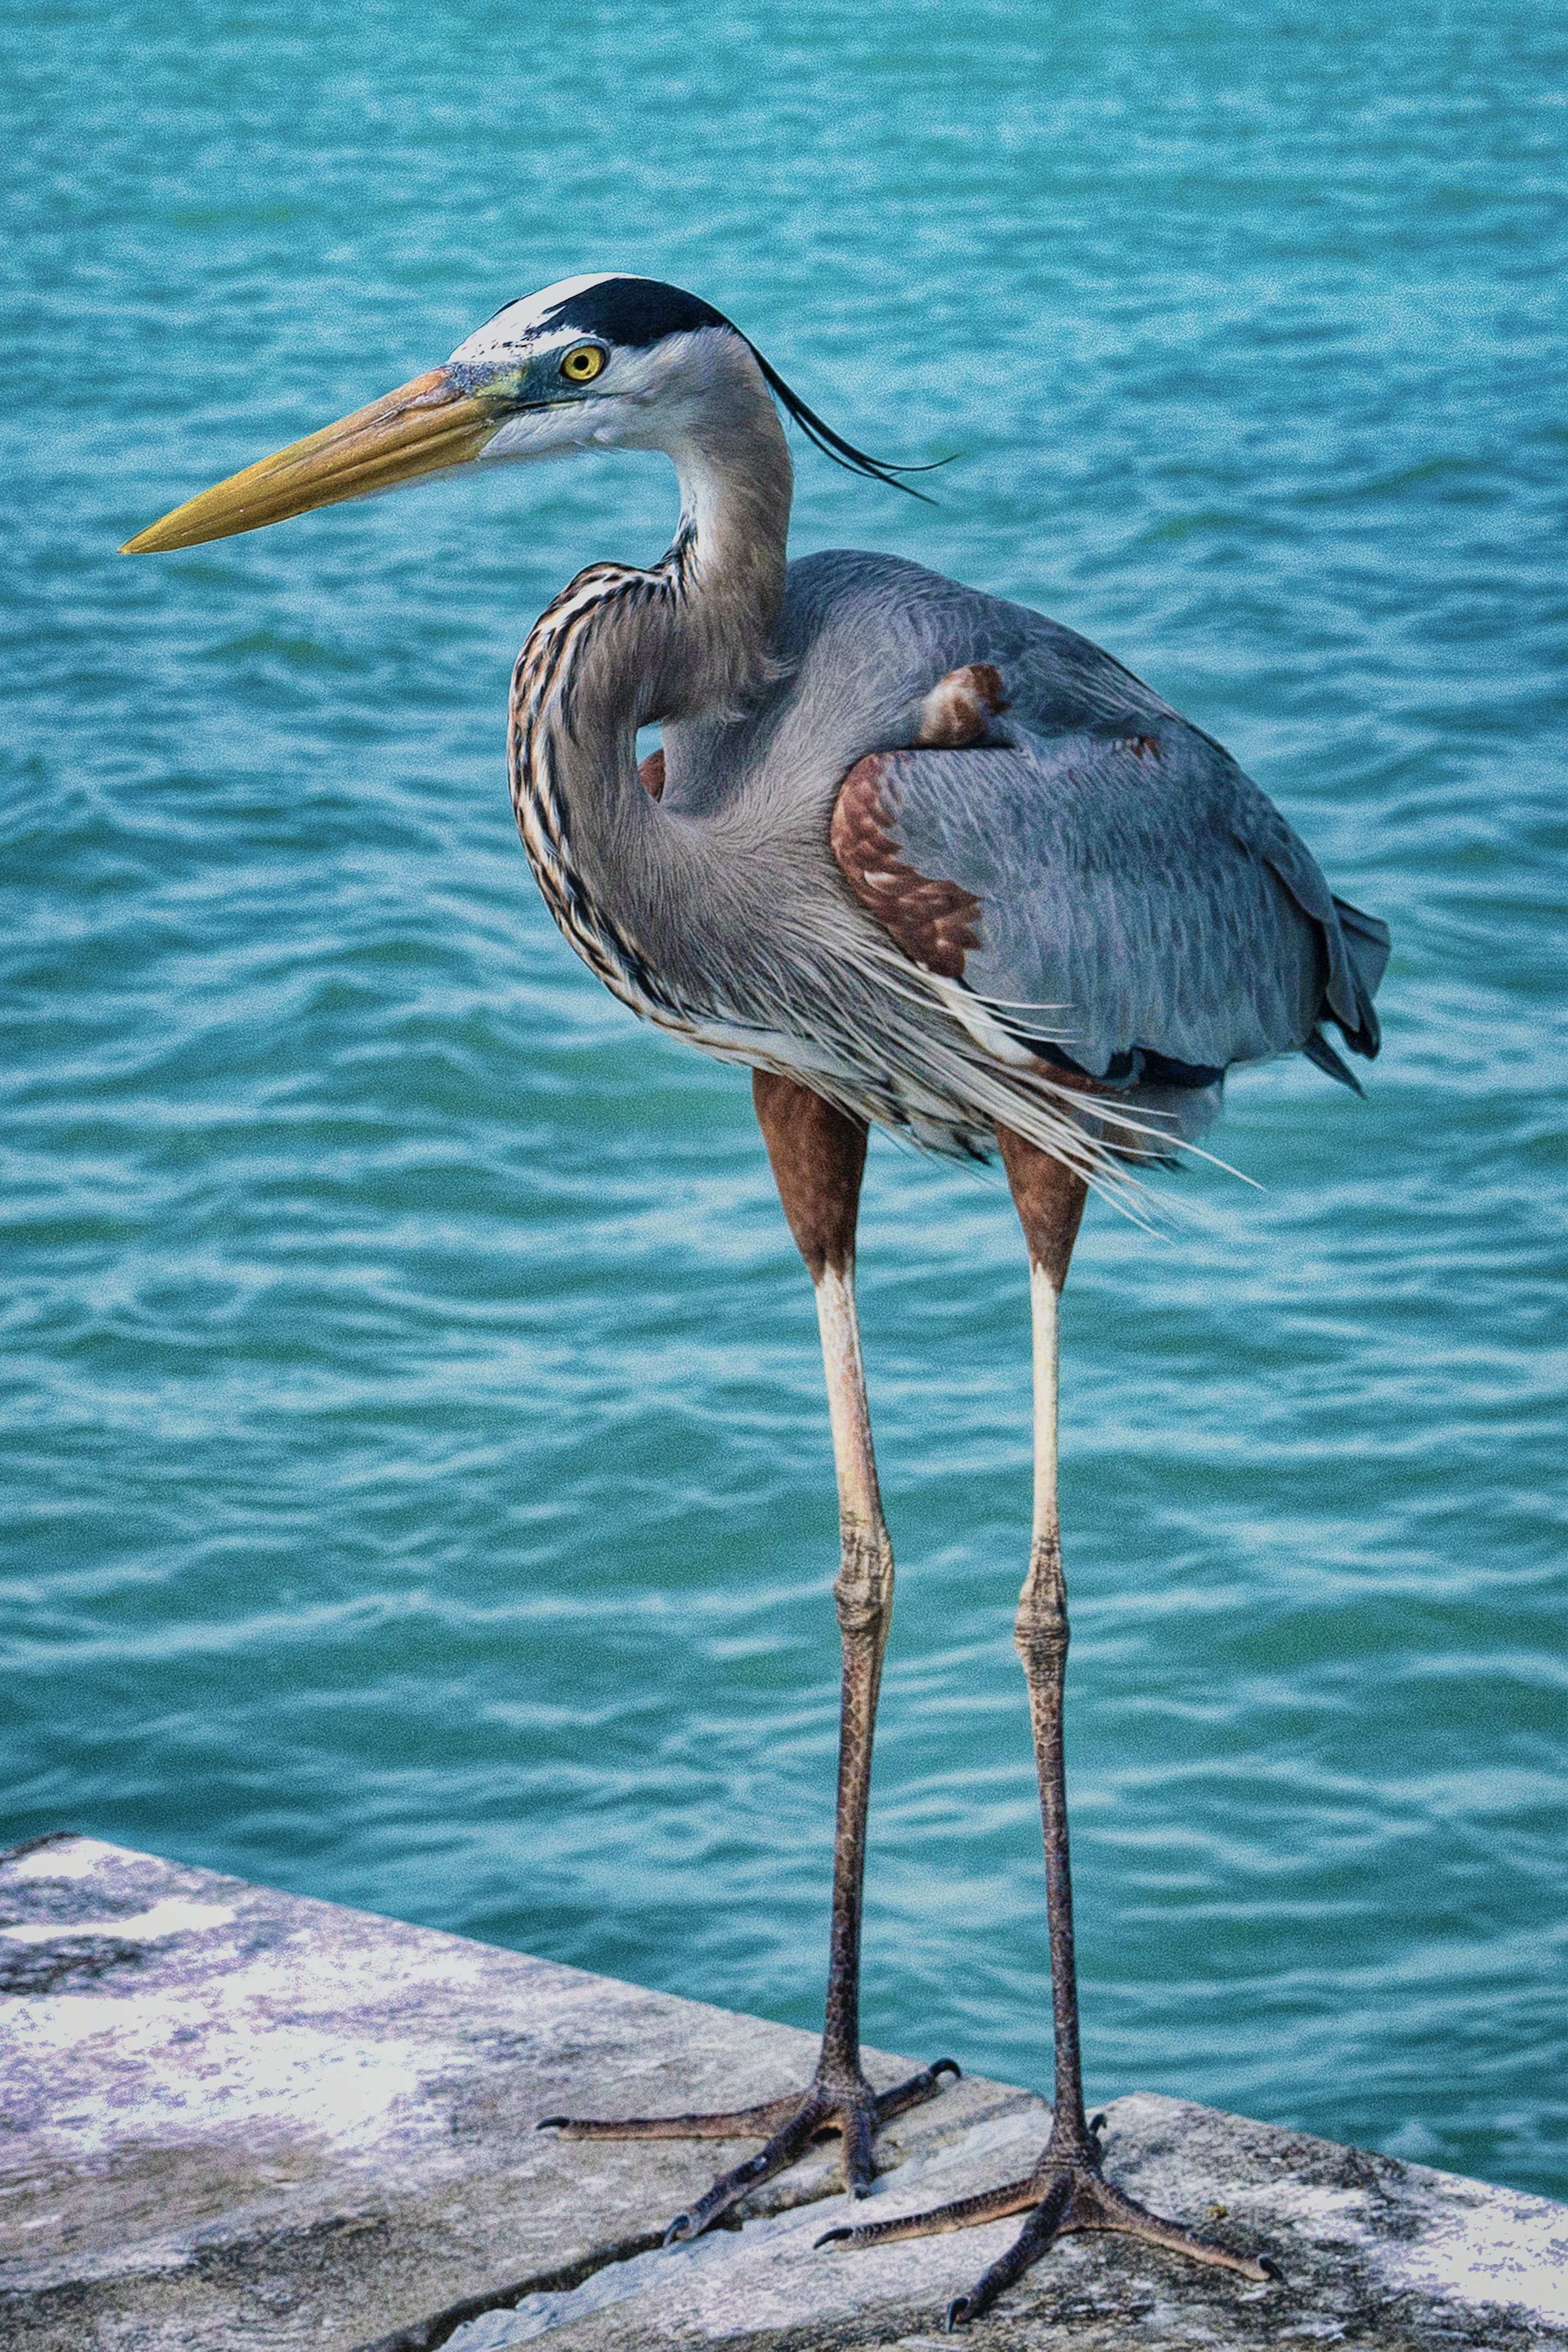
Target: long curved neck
{"type": "Point", "coordinates": [729, 452]}
{"type": "Point", "coordinates": [685, 638]}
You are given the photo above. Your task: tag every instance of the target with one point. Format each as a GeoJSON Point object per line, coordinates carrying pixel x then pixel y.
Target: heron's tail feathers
{"type": "Point", "coordinates": [1367, 943]}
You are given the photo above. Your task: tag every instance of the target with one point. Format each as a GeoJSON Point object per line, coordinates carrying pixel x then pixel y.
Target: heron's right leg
{"type": "Point", "coordinates": [1068, 2190]}
{"type": "Point", "coordinates": [819, 1157]}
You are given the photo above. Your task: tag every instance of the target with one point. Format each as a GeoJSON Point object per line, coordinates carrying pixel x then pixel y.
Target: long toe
{"type": "Point", "coordinates": [783, 2149]}
{"type": "Point", "coordinates": [964, 2214]}
{"type": "Point", "coordinates": [1103, 2206]}
{"type": "Point", "coordinates": [760, 2122]}
{"type": "Point", "coordinates": [859, 2130]}
{"type": "Point", "coordinates": [917, 2090]}
{"type": "Point", "coordinates": [1043, 2226]}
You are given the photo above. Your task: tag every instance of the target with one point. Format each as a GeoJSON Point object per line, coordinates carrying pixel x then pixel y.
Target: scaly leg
{"type": "Point", "coordinates": [818, 1156]}
{"type": "Point", "coordinates": [1068, 2190]}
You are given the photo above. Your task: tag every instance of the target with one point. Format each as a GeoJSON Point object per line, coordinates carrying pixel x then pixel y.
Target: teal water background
{"type": "Point", "coordinates": [414, 1470]}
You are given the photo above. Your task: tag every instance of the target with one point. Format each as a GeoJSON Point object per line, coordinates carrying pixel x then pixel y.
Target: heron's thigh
{"type": "Point", "coordinates": [818, 1156]}
{"type": "Point", "coordinates": [1049, 1199]}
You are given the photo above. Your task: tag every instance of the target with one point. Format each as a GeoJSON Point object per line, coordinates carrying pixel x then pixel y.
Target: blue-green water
{"type": "Point", "coordinates": [416, 1478]}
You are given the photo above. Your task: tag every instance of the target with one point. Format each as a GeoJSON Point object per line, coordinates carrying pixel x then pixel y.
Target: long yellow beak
{"type": "Point", "coordinates": [425, 426]}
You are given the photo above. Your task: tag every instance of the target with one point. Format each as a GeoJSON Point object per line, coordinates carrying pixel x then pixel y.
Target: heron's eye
{"type": "Point", "coordinates": [583, 364]}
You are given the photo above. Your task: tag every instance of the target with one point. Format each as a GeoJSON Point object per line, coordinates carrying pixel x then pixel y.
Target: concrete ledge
{"type": "Point", "coordinates": [239, 2119]}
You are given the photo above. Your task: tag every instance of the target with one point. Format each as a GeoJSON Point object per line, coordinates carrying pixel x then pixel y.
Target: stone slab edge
{"type": "Point", "coordinates": [243, 2119]}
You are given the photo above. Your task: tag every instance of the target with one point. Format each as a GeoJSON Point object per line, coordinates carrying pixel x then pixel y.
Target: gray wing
{"type": "Point", "coordinates": [1135, 892]}
{"type": "Point", "coordinates": [1125, 894]}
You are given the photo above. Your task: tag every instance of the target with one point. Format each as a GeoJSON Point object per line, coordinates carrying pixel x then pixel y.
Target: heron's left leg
{"type": "Point", "coordinates": [818, 1156]}
{"type": "Point", "coordinates": [1068, 2190]}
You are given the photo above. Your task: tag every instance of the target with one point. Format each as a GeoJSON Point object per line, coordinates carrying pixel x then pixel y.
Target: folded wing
{"type": "Point", "coordinates": [1124, 898]}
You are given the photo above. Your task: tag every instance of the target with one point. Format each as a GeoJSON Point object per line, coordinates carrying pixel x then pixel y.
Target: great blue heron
{"type": "Point", "coordinates": [918, 857]}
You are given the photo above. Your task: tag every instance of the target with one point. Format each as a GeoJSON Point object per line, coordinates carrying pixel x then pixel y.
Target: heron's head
{"type": "Point", "coordinates": [594, 363]}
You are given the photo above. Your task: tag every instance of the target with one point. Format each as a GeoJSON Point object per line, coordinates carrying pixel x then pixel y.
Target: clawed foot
{"type": "Point", "coordinates": [1065, 2192]}
{"type": "Point", "coordinates": [789, 2126]}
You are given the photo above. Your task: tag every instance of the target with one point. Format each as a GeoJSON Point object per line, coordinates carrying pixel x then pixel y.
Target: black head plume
{"type": "Point", "coordinates": [833, 445]}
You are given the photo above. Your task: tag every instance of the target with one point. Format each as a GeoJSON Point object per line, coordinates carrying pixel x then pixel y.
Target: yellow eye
{"type": "Point", "coordinates": [583, 364]}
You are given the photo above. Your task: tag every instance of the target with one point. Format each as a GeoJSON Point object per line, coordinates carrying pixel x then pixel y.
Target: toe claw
{"type": "Point", "coordinates": [677, 2232]}
{"type": "Point", "coordinates": [957, 2313]}
{"type": "Point", "coordinates": [1097, 2124]}
{"type": "Point", "coordinates": [946, 2066]}
{"type": "Point", "coordinates": [1267, 2263]}
{"type": "Point", "coordinates": [829, 2236]}
{"type": "Point", "coordinates": [549, 2123]}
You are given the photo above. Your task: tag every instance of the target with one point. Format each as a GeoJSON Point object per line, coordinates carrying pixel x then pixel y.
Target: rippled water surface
{"type": "Point", "coordinates": [414, 1468]}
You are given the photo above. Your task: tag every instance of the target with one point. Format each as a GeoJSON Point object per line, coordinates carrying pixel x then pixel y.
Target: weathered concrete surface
{"type": "Point", "coordinates": [235, 2119]}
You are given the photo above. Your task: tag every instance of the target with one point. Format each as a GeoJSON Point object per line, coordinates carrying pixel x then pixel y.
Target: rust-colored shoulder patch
{"type": "Point", "coordinates": [935, 922]}
{"type": "Point", "coordinates": [650, 775]}
{"type": "Point", "coordinates": [960, 708]}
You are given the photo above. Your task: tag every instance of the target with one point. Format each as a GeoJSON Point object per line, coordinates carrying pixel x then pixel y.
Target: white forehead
{"type": "Point", "coordinates": [521, 320]}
